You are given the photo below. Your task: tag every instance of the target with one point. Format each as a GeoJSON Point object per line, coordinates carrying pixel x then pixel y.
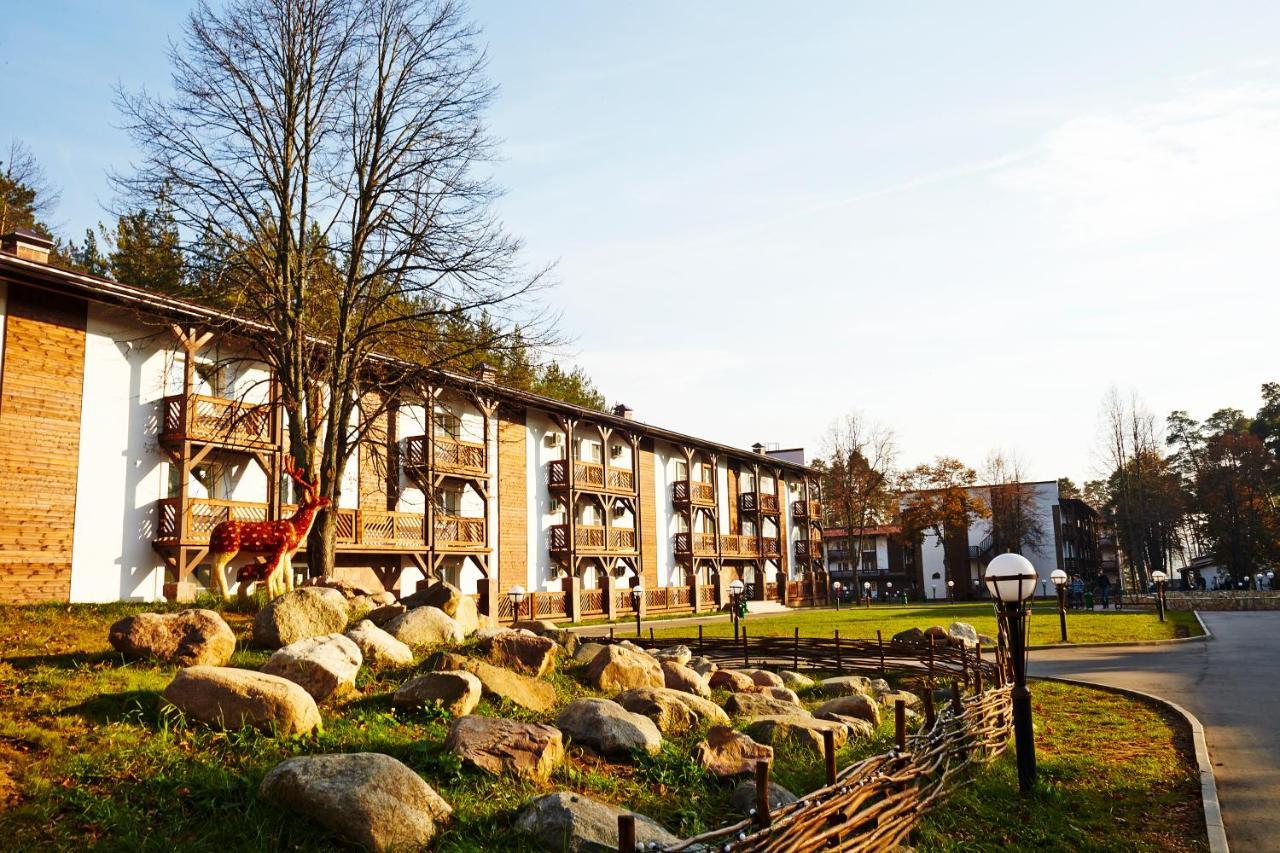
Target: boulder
{"type": "Point", "coordinates": [616, 669]}
{"type": "Point", "coordinates": [384, 613]}
{"type": "Point", "coordinates": [759, 705]}
{"type": "Point", "coordinates": [859, 706]}
{"type": "Point", "coordinates": [441, 595]}
{"type": "Point", "coordinates": [988, 642]}
{"type": "Point", "coordinates": [530, 655]}
{"type": "Point", "coordinates": [309, 611]}
{"type": "Point", "coordinates": [668, 713]}
{"type": "Point", "coordinates": [846, 685]}
{"type": "Point", "coordinates": [349, 589]}
{"type": "Point", "coordinates": [678, 677]}
{"type": "Point", "coordinates": [378, 647]}
{"type": "Point", "coordinates": [855, 727]}
{"type": "Point", "coordinates": [764, 678]}
{"type": "Point", "coordinates": [804, 731]}
{"type": "Point", "coordinates": [530, 693]}
{"type": "Point", "coordinates": [879, 685]}
{"type": "Point", "coordinates": [457, 692]}
{"type": "Point", "coordinates": [325, 666]}
{"type": "Point", "coordinates": [795, 680]}
{"type": "Point", "coordinates": [782, 694]}
{"type": "Point", "coordinates": [586, 652]}
{"type": "Point", "coordinates": [743, 798]}
{"type": "Point", "coordinates": [423, 627]}
{"type": "Point", "coordinates": [185, 638]}
{"type": "Point", "coordinates": [677, 654]}
{"type": "Point", "coordinates": [569, 823]}
{"type": "Point", "coordinates": [889, 699]}
{"type": "Point", "coordinates": [365, 798]}
{"type": "Point", "coordinates": [608, 727]}
{"type": "Point", "coordinates": [909, 637]}
{"type": "Point", "coordinates": [730, 679]}
{"type": "Point", "coordinates": [641, 699]}
{"type": "Point", "coordinates": [467, 615]}
{"type": "Point", "coordinates": [703, 665]}
{"type": "Point", "coordinates": [726, 752]}
{"type": "Point", "coordinates": [506, 747]}
{"type": "Point", "coordinates": [938, 634]}
{"type": "Point", "coordinates": [966, 634]}
{"type": "Point", "coordinates": [228, 698]}
{"type": "Point", "coordinates": [537, 626]}
{"type": "Point", "coordinates": [360, 606]}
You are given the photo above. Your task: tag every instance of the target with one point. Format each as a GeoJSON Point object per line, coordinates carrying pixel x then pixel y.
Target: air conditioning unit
{"type": "Point", "coordinates": [553, 439]}
{"type": "Point", "coordinates": [615, 451]}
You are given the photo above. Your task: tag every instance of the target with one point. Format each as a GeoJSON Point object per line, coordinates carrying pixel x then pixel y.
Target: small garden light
{"type": "Point", "coordinates": [866, 591]}
{"type": "Point", "coordinates": [1059, 578]}
{"type": "Point", "coordinates": [735, 603]}
{"type": "Point", "coordinates": [1011, 580]}
{"type": "Point", "coordinates": [517, 596]}
{"type": "Point", "coordinates": [637, 596]}
{"type": "Point", "coordinates": [836, 587]}
{"type": "Point", "coordinates": [1159, 577]}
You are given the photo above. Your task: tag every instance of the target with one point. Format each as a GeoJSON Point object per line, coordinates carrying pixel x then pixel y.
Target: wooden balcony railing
{"type": "Point", "coordinates": [356, 528]}
{"type": "Point", "coordinates": [593, 538]}
{"type": "Point", "coordinates": [449, 455]}
{"type": "Point", "coordinates": [806, 550]}
{"type": "Point", "coordinates": [454, 531]}
{"type": "Point", "coordinates": [702, 544]}
{"type": "Point", "coordinates": [591, 476]}
{"type": "Point", "coordinates": [771, 547]}
{"type": "Point", "coordinates": [736, 545]}
{"type": "Point", "coordinates": [758, 502]}
{"type": "Point", "coordinates": [696, 492]}
{"type": "Point", "coordinates": [215, 420]}
{"type": "Point", "coordinates": [803, 510]}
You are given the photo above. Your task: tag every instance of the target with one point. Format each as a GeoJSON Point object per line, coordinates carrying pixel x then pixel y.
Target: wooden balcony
{"type": "Point", "coordinates": [806, 550]}
{"type": "Point", "coordinates": [358, 529]}
{"type": "Point", "coordinates": [758, 502]}
{"type": "Point", "coordinates": [590, 539]}
{"type": "Point", "coordinates": [213, 420]}
{"type": "Point", "coordinates": [695, 544]}
{"type": "Point", "coordinates": [448, 456]}
{"type": "Point", "coordinates": [591, 477]}
{"type": "Point", "coordinates": [455, 532]}
{"type": "Point", "coordinates": [806, 510]}
{"type": "Point", "coordinates": [772, 548]}
{"type": "Point", "coordinates": [736, 545]}
{"type": "Point", "coordinates": [695, 492]}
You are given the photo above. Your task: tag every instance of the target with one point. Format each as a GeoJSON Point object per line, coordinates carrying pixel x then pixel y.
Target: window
{"type": "Point", "coordinates": [682, 469]}
{"type": "Point", "coordinates": [615, 451]}
{"type": "Point", "coordinates": [869, 561]}
{"type": "Point", "coordinates": [448, 425]}
{"type": "Point", "coordinates": [589, 451]}
{"type": "Point", "coordinates": [449, 501]}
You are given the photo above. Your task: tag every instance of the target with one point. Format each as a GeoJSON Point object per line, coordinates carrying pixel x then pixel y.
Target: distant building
{"type": "Point", "coordinates": [877, 554]}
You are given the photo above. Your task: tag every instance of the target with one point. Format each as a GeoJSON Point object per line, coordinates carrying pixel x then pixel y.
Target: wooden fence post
{"type": "Point", "coordinates": [651, 635]}
{"type": "Point", "coordinates": [957, 707]}
{"type": "Point", "coordinates": [839, 662]}
{"type": "Point", "coordinates": [699, 638]}
{"type": "Point", "coordinates": [746, 658]}
{"type": "Point", "coordinates": [627, 833]}
{"type": "Point", "coordinates": [795, 651]}
{"type": "Point", "coordinates": [900, 724]}
{"type": "Point", "coordinates": [763, 818]}
{"type": "Point", "coordinates": [880, 643]}
{"type": "Point", "coordinates": [829, 750]}
{"type": "Point", "coordinates": [931, 639]}
{"type": "Point", "coordinates": [977, 669]}
{"type": "Point", "coordinates": [930, 715]}
{"type": "Point", "coordinates": [964, 666]}
{"type": "Point", "coordinates": [611, 633]}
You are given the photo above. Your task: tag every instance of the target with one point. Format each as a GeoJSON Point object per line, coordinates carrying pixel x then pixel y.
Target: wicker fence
{"type": "Point", "coordinates": [874, 803]}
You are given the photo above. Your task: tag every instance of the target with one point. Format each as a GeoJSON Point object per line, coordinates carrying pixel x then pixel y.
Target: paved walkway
{"type": "Point", "coordinates": [1232, 683]}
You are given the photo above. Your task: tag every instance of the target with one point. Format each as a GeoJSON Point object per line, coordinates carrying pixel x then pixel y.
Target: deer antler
{"type": "Point", "coordinates": [291, 468]}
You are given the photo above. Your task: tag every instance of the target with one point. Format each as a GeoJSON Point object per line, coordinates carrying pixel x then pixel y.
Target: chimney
{"type": "Point", "coordinates": [622, 410]}
{"type": "Point", "coordinates": [758, 448]}
{"type": "Point", "coordinates": [26, 244]}
{"type": "Point", "coordinates": [486, 372]}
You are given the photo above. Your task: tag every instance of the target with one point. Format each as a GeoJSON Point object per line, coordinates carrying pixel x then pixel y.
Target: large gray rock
{"type": "Point", "coordinates": [703, 665]}
{"type": "Point", "coordinates": [441, 595]}
{"type": "Point", "coordinates": [759, 705]}
{"type": "Point", "coordinates": [728, 753]}
{"type": "Point", "coordinates": [909, 637]}
{"type": "Point", "coordinates": [365, 798]}
{"type": "Point", "coordinates": [467, 615]}
{"type": "Point", "coordinates": [228, 698]}
{"type": "Point", "coordinates": [457, 692]}
{"type": "Point", "coordinates": [765, 678]}
{"type": "Point", "coordinates": [743, 798]}
{"type": "Point", "coordinates": [572, 823]}
{"type": "Point", "coordinates": [963, 633]}
{"type": "Point", "coordinates": [616, 669]}
{"type": "Point", "coordinates": [424, 627]}
{"type": "Point", "coordinates": [643, 700]}
{"type": "Point", "coordinates": [668, 713]}
{"type": "Point", "coordinates": [185, 638]}
{"type": "Point", "coordinates": [731, 679]}
{"type": "Point", "coordinates": [586, 652]}
{"type": "Point", "coordinates": [846, 685]}
{"type": "Point", "coordinates": [383, 614]}
{"type": "Point", "coordinates": [859, 706]}
{"type": "Point", "coordinates": [608, 727]}
{"type": "Point", "coordinates": [529, 655]}
{"type": "Point", "coordinates": [676, 654]}
{"type": "Point", "coordinates": [378, 647]}
{"type": "Point", "coordinates": [530, 693]}
{"type": "Point", "coordinates": [309, 611]}
{"type": "Point", "coordinates": [854, 727]}
{"type": "Point", "coordinates": [795, 681]}
{"type": "Point", "coordinates": [325, 666]}
{"type": "Point", "coordinates": [506, 747]}
{"type": "Point", "coordinates": [803, 731]}
{"type": "Point", "coordinates": [678, 677]}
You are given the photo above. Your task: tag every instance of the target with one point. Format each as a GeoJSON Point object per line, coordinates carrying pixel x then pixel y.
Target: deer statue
{"type": "Point", "coordinates": [279, 540]}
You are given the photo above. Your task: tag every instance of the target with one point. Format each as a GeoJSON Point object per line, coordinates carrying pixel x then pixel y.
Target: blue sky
{"type": "Point", "coordinates": [966, 221]}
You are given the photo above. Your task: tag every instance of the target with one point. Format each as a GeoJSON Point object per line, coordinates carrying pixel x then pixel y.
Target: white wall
{"type": "Point", "coordinates": [121, 471]}
{"type": "Point", "coordinates": [538, 425]}
{"type": "Point", "coordinates": [666, 523]}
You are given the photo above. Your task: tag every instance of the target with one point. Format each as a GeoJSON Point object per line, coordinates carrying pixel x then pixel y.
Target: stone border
{"type": "Point", "coordinates": [1208, 786]}
{"type": "Point", "coordinates": [1205, 634]}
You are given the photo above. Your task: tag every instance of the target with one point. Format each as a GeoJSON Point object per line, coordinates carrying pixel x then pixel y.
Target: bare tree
{"type": "Point", "coordinates": [859, 457]}
{"type": "Point", "coordinates": [321, 158]}
{"type": "Point", "coordinates": [1015, 524]}
{"type": "Point", "coordinates": [26, 196]}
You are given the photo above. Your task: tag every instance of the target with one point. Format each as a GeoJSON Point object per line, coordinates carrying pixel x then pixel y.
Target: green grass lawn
{"type": "Point", "coordinates": [1113, 774]}
{"type": "Point", "coordinates": [1083, 626]}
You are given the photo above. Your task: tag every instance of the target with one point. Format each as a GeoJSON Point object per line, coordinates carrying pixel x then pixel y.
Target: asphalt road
{"type": "Point", "coordinates": [1232, 683]}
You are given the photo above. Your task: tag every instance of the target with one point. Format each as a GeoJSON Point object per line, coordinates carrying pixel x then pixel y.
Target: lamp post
{"type": "Point", "coordinates": [951, 590]}
{"type": "Point", "coordinates": [1159, 577]}
{"type": "Point", "coordinates": [735, 603]}
{"type": "Point", "coordinates": [1271, 580]}
{"type": "Point", "coordinates": [1011, 579]}
{"type": "Point", "coordinates": [836, 587]}
{"type": "Point", "coordinates": [866, 593]}
{"type": "Point", "coordinates": [888, 596]}
{"type": "Point", "coordinates": [1258, 585]}
{"type": "Point", "coordinates": [517, 596]}
{"type": "Point", "coordinates": [1059, 578]}
{"type": "Point", "coordinates": [637, 596]}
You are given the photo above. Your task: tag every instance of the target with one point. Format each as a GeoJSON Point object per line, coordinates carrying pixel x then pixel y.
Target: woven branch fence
{"type": "Point", "coordinates": [873, 804]}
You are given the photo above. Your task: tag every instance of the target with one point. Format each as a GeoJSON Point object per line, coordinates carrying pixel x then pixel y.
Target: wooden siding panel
{"type": "Point", "coordinates": [41, 394]}
{"type": "Point", "coordinates": [648, 516]}
{"type": "Point", "coordinates": [514, 506]}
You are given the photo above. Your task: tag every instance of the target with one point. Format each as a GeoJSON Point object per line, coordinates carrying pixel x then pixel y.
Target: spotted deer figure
{"type": "Point", "coordinates": [278, 540]}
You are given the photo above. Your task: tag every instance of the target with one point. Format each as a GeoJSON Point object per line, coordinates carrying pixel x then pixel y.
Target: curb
{"type": "Point", "coordinates": [1208, 786]}
{"type": "Point", "coordinates": [1205, 634]}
